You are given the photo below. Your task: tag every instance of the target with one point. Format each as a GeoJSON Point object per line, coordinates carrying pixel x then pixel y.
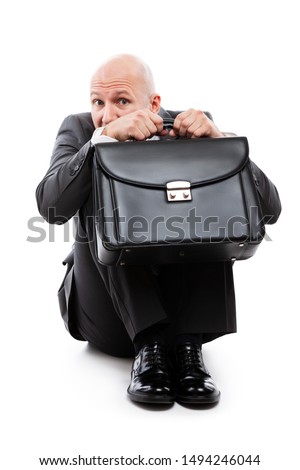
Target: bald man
{"type": "Point", "coordinates": [162, 316]}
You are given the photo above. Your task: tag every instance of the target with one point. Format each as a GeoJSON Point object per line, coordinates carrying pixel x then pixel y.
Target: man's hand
{"type": "Point", "coordinates": [193, 124]}
{"type": "Point", "coordinates": [139, 125]}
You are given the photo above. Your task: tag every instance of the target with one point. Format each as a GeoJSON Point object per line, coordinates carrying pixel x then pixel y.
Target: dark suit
{"type": "Point", "coordinates": [110, 305]}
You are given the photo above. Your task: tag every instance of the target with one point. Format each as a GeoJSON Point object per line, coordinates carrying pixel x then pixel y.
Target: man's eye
{"type": "Point", "coordinates": [123, 101]}
{"type": "Point", "coordinates": [98, 102]}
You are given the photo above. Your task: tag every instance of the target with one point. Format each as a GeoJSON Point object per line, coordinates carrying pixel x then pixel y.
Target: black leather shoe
{"type": "Point", "coordinates": [193, 384]}
{"type": "Point", "coordinates": [150, 378]}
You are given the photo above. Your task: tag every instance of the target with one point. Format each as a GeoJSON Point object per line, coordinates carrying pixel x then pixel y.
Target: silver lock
{"type": "Point", "coordinates": [179, 191]}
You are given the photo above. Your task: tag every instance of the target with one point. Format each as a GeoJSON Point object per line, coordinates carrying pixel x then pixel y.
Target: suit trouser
{"type": "Point", "coordinates": [115, 303]}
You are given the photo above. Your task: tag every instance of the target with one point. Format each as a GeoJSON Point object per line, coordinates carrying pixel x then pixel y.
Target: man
{"type": "Point", "coordinates": [163, 314]}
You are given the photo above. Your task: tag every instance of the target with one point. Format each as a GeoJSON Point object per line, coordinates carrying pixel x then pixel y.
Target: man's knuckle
{"type": "Point", "coordinates": [198, 133]}
{"type": "Point", "coordinates": [140, 114]}
{"type": "Point", "coordinates": [199, 114]}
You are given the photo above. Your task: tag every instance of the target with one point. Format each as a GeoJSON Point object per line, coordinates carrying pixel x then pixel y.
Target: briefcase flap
{"type": "Point", "coordinates": [154, 163]}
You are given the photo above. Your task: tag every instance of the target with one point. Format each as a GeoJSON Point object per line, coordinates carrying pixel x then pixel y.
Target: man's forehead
{"type": "Point", "coordinates": [129, 84]}
{"type": "Point", "coordinates": [112, 88]}
{"type": "Point", "coordinates": [114, 82]}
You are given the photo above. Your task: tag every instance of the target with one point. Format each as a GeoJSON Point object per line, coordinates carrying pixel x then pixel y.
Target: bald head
{"type": "Point", "coordinates": [122, 84]}
{"type": "Point", "coordinates": [126, 65]}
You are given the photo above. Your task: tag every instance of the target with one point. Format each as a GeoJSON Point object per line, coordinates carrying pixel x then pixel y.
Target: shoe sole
{"type": "Point", "coordinates": [198, 400]}
{"type": "Point", "coordinates": [152, 400]}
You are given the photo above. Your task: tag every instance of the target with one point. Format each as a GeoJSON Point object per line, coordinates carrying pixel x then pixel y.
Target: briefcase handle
{"type": "Point", "coordinates": [168, 123]}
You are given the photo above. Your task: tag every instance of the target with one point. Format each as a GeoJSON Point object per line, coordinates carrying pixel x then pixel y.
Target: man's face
{"type": "Point", "coordinates": [116, 91]}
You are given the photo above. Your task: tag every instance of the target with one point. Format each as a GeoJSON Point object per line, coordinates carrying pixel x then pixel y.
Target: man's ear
{"type": "Point", "coordinates": [155, 103]}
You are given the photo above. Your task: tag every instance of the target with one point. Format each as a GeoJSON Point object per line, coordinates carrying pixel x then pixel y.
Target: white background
{"type": "Point", "coordinates": [238, 59]}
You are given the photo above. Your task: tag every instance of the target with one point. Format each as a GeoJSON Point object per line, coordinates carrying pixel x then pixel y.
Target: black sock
{"type": "Point", "coordinates": [195, 338]}
{"type": "Point", "coordinates": [148, 336]}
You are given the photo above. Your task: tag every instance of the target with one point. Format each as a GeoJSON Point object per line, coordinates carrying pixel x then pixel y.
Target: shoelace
{"type": "Point", "coordinates": [190, 358]}
{"type": "Point", "coordinates": [156, 355]}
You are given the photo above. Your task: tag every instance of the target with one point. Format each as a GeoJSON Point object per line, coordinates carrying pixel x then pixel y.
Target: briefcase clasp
{"type": "Point", "coordinates": [179, 191]}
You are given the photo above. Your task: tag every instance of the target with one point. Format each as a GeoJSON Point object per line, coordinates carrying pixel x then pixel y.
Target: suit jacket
{"type": "Point", "coordinates": [66, 189]}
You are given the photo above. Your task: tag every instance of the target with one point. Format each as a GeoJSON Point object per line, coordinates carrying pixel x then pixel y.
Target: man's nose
{"type": "Point", "coordinates": [109, 114]}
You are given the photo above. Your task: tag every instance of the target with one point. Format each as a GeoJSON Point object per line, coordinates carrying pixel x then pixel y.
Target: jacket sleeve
{"type": "Point", "coordinates": [268, 195]}
{"type": "Point", "coordinates": [68, 181]}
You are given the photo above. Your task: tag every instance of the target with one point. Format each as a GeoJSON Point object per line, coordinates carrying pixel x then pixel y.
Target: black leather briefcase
{"type": "Point", "coordinates": [174, 201]}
